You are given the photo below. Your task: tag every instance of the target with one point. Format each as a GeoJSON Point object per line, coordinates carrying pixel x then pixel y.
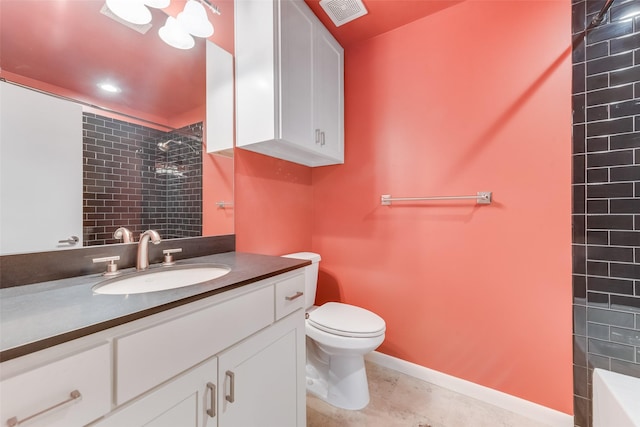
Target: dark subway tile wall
{"type": "Point", "coordinates": [129, 182]}
{"type": "Point", "coordinates": [606, 192]}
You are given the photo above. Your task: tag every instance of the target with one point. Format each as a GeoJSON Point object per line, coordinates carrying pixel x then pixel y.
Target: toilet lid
{"type": "Point", "coordinates": [347, 320]}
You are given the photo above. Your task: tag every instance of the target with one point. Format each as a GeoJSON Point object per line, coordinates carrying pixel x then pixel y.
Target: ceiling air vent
{"type": "Point", "coordinates": [343, 11]}
{"type": "Point", "coordinates": [142, 29]}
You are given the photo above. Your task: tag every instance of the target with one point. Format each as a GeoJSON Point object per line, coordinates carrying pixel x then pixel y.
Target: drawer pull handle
{"type": "Point", "coordinates": [294, 296]}
{"type": "Point", "coordinates": [231, 397]}
{"type": "Point", "coordinates": [73, 396]}
{"type": "Point", "coordinates": [212, 389]}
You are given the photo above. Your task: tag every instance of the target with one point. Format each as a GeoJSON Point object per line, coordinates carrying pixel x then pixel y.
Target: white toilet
{"type": "Point", "coordinates": [338, 337]}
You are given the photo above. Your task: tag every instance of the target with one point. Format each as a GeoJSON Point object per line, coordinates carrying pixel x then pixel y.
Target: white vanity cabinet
{"type": "Point", "coordinates": [289, 83]}
{"type": "Point", "coordinates": [57, 391]}
{"type": "Point", "coordinates": [189, 401]}
{"type": "Point", "coordinates": [261, 378]}
{"type": "Point", "coordinates": [235, 359]}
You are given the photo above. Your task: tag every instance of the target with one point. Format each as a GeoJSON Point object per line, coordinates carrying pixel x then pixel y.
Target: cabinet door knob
{"type": "Point", "coordinates": [231, 397]}
{"type": "Point", "coordinates": [212, 390]}
{"type": "Point", "coordinates": [317, 136]}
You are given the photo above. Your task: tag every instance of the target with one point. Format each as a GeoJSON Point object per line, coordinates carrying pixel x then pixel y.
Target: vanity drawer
{"type": "Point", "coordinates": [69, 392]}
{"type": "Point", "coordinates": [289, 296]}
{"type": "Point", "coordinates": [151, 356]}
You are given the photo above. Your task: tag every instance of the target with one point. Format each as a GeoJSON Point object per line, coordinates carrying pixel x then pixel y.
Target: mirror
{"type": "Point", "coordinates": [67, 48]}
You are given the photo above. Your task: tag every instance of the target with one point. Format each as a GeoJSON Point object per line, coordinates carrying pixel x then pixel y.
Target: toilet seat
{"type": "Point", "coordinates": [346, 320]}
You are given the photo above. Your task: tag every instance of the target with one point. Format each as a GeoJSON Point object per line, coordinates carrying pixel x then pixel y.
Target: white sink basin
{"type": "Point", "coordinates": [161, 279]}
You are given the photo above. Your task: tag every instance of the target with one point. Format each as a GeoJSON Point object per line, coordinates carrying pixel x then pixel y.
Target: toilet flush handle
{"type": "Point", "coordinates": [294, 296]}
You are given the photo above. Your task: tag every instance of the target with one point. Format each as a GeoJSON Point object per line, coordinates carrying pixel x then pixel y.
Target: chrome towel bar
{"type": "Point", "coordinates": [222, 204]}
{"type": "Point", "coordinates": [481, 198]}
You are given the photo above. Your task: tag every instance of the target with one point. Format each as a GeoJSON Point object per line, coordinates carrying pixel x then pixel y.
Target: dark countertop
{"type": "Point", "coordinates": [37, 316]}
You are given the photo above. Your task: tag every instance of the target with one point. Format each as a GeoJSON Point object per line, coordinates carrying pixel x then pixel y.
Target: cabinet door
{"type": "Point", "coordinates": [67, 392]}
{"type": "Point", "coordinates": [296, 66]}
{"type": "Point", "coordinates": [328, 95]}
{"type": "Point", "coordinates": [219, 123]}
{"type": "Point", "coordinates": [40, 171]}
{"type": "Point", "coordinates": [186, 401]}
{"type": "Point", "coordinates": [262, 379]}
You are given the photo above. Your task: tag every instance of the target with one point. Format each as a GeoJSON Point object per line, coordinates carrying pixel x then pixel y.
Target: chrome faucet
{"type": "Point", "coordinates": [143, 248]}
{"type": "Point", "coordinates": [123, 233]}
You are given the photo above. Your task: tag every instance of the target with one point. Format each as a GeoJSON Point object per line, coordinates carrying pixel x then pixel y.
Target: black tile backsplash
{"type": "Point", "coordinates": [626, 238]}
{"type": "Point", "coordinates": [611, 349]}
{"type": "Point", "coordinates": [597, 175]}
{"type": "Point", "coordinates": [129, 182]}
{"type": "Point", "coordinates": [628, 173]}
{"type": "Point", "coordinates": [608, 31]}
{"type": "Point", "coordinates": [610, 317]}
{"type": "Point", "coordinates": [610, 222]}
{"type": "Point", "coordinates": [625, 205]}
{"type": "Point", "coordinates": [597, 237]}
{"type": "Point", "coordinates": [606, 96]}
{"type": "Point", "coordinates": [597, 50]}
{"type": "Point", "coordinates": [609, 253]}
{"type": "Point", "coordinates": [622, 11]}
{"type": "Point", "coordinates": [609, 63]}
{"type": "Point", "coordinates": [595, 330]}
{"type": "Point", "coordinates": [611, 158]}
{"type": "Point", "coordinates": [606, 196]}
{"type": "Point", "coordinates": [628, 140]}
{"type": "Point", "coordinates": [630, 271]}
{"type": "Point", "coordinates": [597, 82]}
{"type": "Point", "coordinates": [614, 286]}
{"type": "Point", "coordinates": [626, 76]}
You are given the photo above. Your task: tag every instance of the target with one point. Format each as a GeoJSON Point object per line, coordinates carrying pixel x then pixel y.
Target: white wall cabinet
{"type": "Point", "coordinates": [236, 359]}
{"type": "Point", "coordinates": [219, 122]}
{"type": "Point", "coordinates": [289, 83]}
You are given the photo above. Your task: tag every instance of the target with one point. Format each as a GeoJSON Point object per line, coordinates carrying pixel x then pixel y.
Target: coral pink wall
{"type": "Point", "coordinates": [273, 204]}
{"type": "Point", "coordinates": [474, 98]}
{"type": "Point", "coordinates": [217, 186]}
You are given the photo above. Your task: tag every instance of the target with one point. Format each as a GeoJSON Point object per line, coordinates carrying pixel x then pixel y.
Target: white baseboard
{"type": "Point", "coordinates": [534, 411]}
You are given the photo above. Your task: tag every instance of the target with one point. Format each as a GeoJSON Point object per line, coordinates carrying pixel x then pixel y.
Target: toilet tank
{"type": "Point", "coordinates": [310, 275]}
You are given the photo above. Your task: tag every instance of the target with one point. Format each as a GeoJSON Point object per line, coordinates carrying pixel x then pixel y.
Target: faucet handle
{"type": "Point", "coordinates": [168, 256]}
{"type": "Point", "coordinates": [112, 267]}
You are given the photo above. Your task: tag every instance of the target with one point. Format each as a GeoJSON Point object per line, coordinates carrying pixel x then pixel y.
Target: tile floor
{"type": "Point", "coordinates": [398, 400]}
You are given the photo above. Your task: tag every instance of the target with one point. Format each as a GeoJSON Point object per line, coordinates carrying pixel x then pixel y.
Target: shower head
{"type": "Point", "coordinates": [164, 146]}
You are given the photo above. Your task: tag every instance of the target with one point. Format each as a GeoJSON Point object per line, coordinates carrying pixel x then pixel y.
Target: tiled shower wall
{"type": "Point", "coordinates": [606, 196]}
{"type": "Point", "coordinates": [129, 182]}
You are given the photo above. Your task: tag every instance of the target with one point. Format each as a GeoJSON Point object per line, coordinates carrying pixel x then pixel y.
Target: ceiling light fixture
{"type": "Point", "coordinates": [157, 4]}
{"type": "Point", "coordinates": [133, 11]}
{"type": "Point", "coordinates": [177, 32]}
{"type": "Point", "coordinates": [194, 19]}
{"type": "Point", "coordinates": [173, 34]}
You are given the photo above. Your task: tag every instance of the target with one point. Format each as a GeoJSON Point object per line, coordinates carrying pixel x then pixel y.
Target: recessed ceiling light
{"type": "Point", "coordinates": [108, 87]}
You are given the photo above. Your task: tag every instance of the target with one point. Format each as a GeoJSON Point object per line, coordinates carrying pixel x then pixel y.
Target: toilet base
{"type": "Point", "coordinates": [340, 381]}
